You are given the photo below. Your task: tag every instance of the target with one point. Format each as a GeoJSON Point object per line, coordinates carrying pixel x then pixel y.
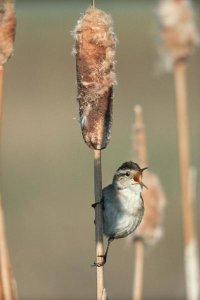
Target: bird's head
{"type": "Point", "coordinates": [128, 175]}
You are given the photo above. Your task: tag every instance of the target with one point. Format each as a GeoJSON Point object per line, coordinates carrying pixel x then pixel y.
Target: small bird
{"type": "Point", "coordinates": [122, 203]}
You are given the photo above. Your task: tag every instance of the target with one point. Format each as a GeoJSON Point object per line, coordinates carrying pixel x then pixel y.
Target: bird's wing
{"type": "Point", "coordinates": [142, 208]}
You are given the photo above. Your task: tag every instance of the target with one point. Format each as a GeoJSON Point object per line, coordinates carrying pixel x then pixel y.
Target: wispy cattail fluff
{"type": "Point", "coordinates": [94, 51]}
{"type": "Point", "coordinates": [178, 32]}
{"type": "Point", "coordinates": [7, 29]}
{"type": "Point", "coordinates": [151, 227]}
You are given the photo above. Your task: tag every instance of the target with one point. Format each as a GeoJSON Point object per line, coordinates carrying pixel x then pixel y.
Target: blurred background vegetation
{"type": "Point", "coordinates": [47, 170]}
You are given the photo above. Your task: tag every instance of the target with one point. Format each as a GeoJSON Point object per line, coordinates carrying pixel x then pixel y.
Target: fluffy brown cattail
{"type": "Point", "coordinates": [150, 229]}
{"type": "Point", "coordinates": [7, 29]}
{"type": "Point", "coordinates": [178, 32]}
{"type": "Point", "coordinates": [94, 51]}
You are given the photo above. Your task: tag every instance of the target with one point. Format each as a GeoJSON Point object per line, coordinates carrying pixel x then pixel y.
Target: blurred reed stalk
{"type": "Point", "coordinates": [191, 252]}
{"type": "Point", "coordinates": [178, 37]}
{"type": "Point", "coordinates": [140, 149]}
{"type": "Point", "coordinates": [1, 93]}
{"type": "Point", "coordinates": [7, 33]}
{"type": "Point", "coordinates": [150, 230]}
{"type": "Point", "coordinates": [94, 51]}
{"type": "Point", "coordinates": [8, 288]}
{"type": "Point", "coordinates": [138, 271]}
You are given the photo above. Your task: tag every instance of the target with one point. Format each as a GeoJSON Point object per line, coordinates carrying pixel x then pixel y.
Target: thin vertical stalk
{"type": "Point", "coordinates": [93, 3]}
{"type": "Point", "coordinates": [141, 154]}
{"type": "Point", "coordinates": [1, 93]}
{"type": "Point", "coordinates": [139, 268]}
{"type": "Point", "coordinates": [190, 258]}
{"type": "Point", "coordinates": [8, 284]}
{"type": "Point", "coordinates": [98, 222]}
{"type": "Point", "coordinates": [8, 288]}
{"type": "Point", "coordinates": [140, 137]}
{"type": "Point", "coordinates": [7, 33]}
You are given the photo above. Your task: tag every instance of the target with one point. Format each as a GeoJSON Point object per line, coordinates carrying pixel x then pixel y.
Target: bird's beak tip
{"type": "Point", "coordinates": [143, 169]}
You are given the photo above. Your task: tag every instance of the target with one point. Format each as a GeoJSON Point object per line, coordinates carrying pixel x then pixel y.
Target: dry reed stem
{"type": "Point", "coordinates": [150, 229]}
{"type": "Point", "coordinates": [139, 269]}
{"type": "Point", "coordinates": [190, 239]}
{"type": "Point", "coordinates": [98, 222]}
{"type": "Point", "coordinates": [8, 284]}
{"type": "Point", "coordinates": [7, 33]}
{"type": "Point", "coordinates": [140, 147]}
{"type": "Point", "coordinates": [1, 94]}
{"type": "Point", "coordinates": [94, 51]}
{"type": "Point", "coordinates": [194, 278]}
{"type": "Point", "coordinates": [139, 137]}
{"type": "Point", "coordinates": [179, 36]}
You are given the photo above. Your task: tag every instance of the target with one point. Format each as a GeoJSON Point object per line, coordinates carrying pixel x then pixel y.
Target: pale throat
{"type": "Point", "coordinates": [130, 197]}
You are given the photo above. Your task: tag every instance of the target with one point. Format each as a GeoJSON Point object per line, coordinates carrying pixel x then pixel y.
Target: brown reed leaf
{"type": "Point", "coordinates": [150, 229]}
{"type": "Point", "coordinates": [94, 51]}
{"type": "Point", "coordinates": [178, 32]}
{"type": "Point", "coordinates": [7, 29]}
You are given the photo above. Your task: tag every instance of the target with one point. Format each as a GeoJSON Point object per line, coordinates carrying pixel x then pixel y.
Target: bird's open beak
{"type": "Point", "coordinates": [141, 183]}
{"type": "Point", "coordinates": [138, 178]}
{"type": "Point", "coordinates": [143, 169]}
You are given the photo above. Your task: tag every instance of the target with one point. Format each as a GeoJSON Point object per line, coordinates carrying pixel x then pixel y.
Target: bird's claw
{"type": "Point", "coordinates": [100, 264]}
{"type": "Point", "coordinates": [96, 203]}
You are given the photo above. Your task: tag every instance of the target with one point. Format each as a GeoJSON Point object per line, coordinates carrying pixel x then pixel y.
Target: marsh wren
{"type": "Point", "coordinates": [122, 203]}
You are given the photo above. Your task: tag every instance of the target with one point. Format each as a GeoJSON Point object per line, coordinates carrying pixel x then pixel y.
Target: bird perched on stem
{"type": "Point", "coordinates": [122, 203]}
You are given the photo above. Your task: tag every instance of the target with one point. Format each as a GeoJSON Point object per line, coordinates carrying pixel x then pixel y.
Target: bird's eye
{"type": "Point", "coordinates": [128, 173]}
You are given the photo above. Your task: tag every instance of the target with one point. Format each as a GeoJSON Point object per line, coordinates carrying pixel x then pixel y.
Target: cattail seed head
{"type": "Point", "coordinates": [150, 229]}
{"type": "Point", "coordinates": [7, 29]}
{"type": "Point", "coordinates": [95, 51]}
{"type": "Point", "coordinates": [178, 32]}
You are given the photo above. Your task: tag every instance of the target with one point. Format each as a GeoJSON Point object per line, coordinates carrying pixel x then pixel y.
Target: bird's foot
{"type": "Point", "coordinates": [100, 264]}
{"type": "Point", "coordinates": [97, 203]}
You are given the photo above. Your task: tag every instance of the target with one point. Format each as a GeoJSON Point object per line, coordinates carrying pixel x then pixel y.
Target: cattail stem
{"type": "Point", "coordinates": [7, 33]}
{"type": "Point", "coordinates": [141, 154]}
{"type": "Point", "coordinates": [98, 222]}
{"type": "Point", "coordinates": [183, 149]}
{"type": "Point", "coordinates": [8, 283]}
{"type": "Point", "coordinates": [140, 137]}
{"type": "Point", "coordinates": [93, 3]}
{"type": "Point", "coordinates": [138, 270]}
{"type": "Point", "coordinates": [1, 93]}
{"type": "Point", "coordinates": [194, 279]}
